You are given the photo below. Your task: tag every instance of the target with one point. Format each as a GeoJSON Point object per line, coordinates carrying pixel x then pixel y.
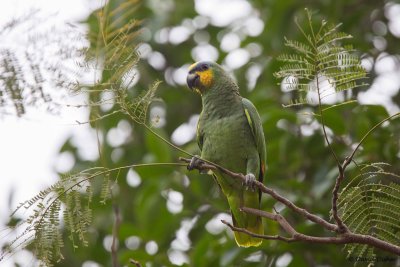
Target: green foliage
{"type": "Point", "coordinates": [113, 46]}
{"type": "Point", "coordinates": [321, 58]}
{"type": "Point", "coordinates": [365, 198]}
{"type": "Point", "coordinates": [69, 200]}
{"type": "Point", "coordinates": [369, 205]}
{"type": "Point", "coordinates": [113, 49]}
{"type": "Point", "coordinates": [299, 163]}
{"type": "Point", "coordinates": [137, 109]}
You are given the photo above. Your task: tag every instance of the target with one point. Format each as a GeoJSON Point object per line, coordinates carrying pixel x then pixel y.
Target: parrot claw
{"type": "Point", "coordinates": [195, 163]}
{"type": "Point", "coordinates": [249, 182]}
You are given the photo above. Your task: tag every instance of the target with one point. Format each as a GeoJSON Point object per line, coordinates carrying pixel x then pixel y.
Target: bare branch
{"type": "Point", "coordinates": [323, 124]}
{"type": "Point", "coordinates": [342, 228]}
{"type": "Point", "coordinates": [268, 237]}
{"type": "Point", "coordinates": [312, 217]}
{"type": "Point", "coordinates": [345, 236]}
{"type": "Point", "coordinates": [394, 116]}
{"type": "Point", "coordinates": [342, 168]}
{"type": "Point", "coordinates": [275, 217]}
{"type": "Point", "coordinates": [114, 249]}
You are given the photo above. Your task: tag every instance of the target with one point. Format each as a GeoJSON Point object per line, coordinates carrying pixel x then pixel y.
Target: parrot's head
{"type": "Point", "coordinates": [201, 76]}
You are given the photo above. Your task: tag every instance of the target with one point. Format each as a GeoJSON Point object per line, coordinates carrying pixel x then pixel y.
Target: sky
{"type": "Point", "coordinates": [29, 145]}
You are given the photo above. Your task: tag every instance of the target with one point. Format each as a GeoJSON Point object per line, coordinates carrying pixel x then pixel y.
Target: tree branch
{"type": "Point", "coordinates": [342, 168]}
{"type": "Point", "coordinates": [342, 228]}
{"type": "Point", "coordinates": [275, 217]}
{"type": "Point", "coordinates": [204, 166]}
{"type": "Point", "coordinates": [370, 131]}
{"type": "Point", "coordinates": [114, 246]}
{"type": "Point", "coordinates": [135, 262]}
{"type": "Point", "coordinates": [268, 237]}
{"type": "Point", "coordinates": [323, 120]}
{"type": "Point", "coordinates": [344, 237]}
{"type": "Point", "coordinates": [347, 238]}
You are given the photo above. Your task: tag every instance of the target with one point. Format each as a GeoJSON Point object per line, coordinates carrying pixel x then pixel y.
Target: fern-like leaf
{"type": "Point", "coordinates": [112, 50]}
{"type": "Point", "coordinates": [321, 56]}
{"type": "Point", "coordinates": [368, 205]}
{"type": "Point", "coordinates": [138, 107]}
{"type": "Point", "coordinates": [68, 200]}
{"type": "Point", "coordinates": [31, 75]}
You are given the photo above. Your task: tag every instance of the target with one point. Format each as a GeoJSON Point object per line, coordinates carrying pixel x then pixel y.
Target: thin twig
{"type": "Point", "coordinates": [268, 237]}
{"type": "Point", "coordinates": [370, 131]}
{"type": "Point", "coordinates": [114, 246]}
{"type": "Point", "coordinates": [342, 228]}
{"type": "Point", "coordinates": [342, 168]}
{"type": "Point", "coordinates": [134, 262]}
{"type": "Point", "coordinates": [275, 217]}
{"type": "Point", "coordinates": [347, 238]}
{"type": "Point", "coordinates": [323, 123]}
{"type": "Point", "coordinates": [102, 171]}
{"type": "Point", "coordinates": [166, 141]}
{"type": "Point", "coordinates": [98, 118]}
{"type": "Point", "coordinates": [335, 196]}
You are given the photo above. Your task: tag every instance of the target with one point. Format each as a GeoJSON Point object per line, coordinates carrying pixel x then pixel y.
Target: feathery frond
{"type": "Point", "coordinates": [35, 63]}
{"type": "Point", "coordinates": [62, 201]}
{"type": "Point", "coordinates": [112, 50]}
{"type": "Point", "coordinates": [322, 57]}
{"type": "Point", "coordinates": [113, 47]}
{"type": "Point", "coordinates": [138, 107]}
{"type": "Point", "coordinates": [68, 200]}
{"type": "Point", "coordinates": [369, 205]}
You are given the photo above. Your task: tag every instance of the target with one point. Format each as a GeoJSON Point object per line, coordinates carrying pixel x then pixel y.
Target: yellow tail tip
{"type": "Point", "coordinates": [245, 240]}
{"type": "Point", "coordinates": [255, 242]}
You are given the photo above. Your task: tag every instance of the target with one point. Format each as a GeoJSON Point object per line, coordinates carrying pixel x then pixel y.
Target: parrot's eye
{"type": "Point", "coordinates": [204, 67]}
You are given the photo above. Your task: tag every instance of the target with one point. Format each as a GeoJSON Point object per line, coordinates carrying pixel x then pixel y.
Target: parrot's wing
{"type": "Point", "coordinates": [199, 134]}
{"type": "Point", "coordinates": [254, 120]}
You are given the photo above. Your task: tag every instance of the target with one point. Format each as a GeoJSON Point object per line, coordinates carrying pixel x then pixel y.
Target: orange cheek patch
{"type": "Point", "coordinates": [206, 78]}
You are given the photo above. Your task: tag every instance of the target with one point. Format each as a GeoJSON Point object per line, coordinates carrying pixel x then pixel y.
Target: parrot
{"type": "Point", "coordinates": [230, 134]}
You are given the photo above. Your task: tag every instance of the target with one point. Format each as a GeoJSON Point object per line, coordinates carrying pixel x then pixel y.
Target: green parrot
{"type": "Point", "coordinates": [230, 134]}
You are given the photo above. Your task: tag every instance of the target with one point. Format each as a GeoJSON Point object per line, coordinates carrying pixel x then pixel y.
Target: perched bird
{"type": "Point", "coordinates": [230, 134]}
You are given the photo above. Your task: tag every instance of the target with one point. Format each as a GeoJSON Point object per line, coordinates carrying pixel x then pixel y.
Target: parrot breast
{"type": "Point", "coordinates": [228, 142]}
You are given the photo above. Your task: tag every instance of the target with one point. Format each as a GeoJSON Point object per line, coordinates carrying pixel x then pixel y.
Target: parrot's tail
{"type": "Point", "coordinates": [255, 226]}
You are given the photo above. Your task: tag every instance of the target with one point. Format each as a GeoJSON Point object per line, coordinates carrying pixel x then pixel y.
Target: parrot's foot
{"type": "Point", "coordinates": [195, 163]}
{"type": "Point", "coordinates": [249, 182]}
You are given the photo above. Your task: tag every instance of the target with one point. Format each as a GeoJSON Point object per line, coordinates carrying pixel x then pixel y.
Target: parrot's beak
{"type": "Point", "coordinates": [192, 80]}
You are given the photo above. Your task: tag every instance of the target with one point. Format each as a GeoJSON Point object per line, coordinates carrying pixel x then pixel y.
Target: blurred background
{"type": "Point", "coordinates": [169, 216]}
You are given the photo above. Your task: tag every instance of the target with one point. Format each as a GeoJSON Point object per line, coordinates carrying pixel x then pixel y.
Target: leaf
{"type": "Point", "coordinates": [321, 56]}
{"type": "Point", "coordinates": [369, 205]}
{"type": "Point", "coordinates": [138, 107]}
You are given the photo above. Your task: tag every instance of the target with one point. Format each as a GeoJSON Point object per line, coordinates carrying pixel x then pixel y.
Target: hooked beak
{"type": "Point", "coordinates": [192, 80]}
